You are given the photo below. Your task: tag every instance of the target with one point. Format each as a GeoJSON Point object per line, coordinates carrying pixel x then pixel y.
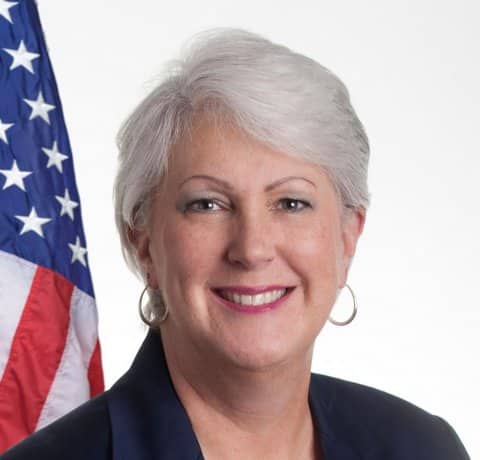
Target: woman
{"type": "Point", "coordinates": [240, 199]}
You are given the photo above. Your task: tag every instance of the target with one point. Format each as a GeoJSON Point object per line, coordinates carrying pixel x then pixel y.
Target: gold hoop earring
{"type": "Point", "coordinates": [142, 314]}
{"type": "Point", "coordinates": [352, 316]}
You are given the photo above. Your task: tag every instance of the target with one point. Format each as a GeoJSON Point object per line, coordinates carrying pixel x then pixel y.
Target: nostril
{"type": "Point", "coordinates": [250, 247]}
{"type": "Point", "coordinates": [249, 258]}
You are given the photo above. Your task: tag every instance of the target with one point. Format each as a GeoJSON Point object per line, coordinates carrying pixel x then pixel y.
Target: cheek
{"type": "Point", "coordinates": [316, 251]}
{"type": "Point", "coordinates": [188, 253]}
{"type": "Point", "coordinates": [314, 257]}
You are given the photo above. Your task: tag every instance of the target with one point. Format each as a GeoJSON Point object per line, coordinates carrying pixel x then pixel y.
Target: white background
{"type": "Point", "coordinates": [413, 71]}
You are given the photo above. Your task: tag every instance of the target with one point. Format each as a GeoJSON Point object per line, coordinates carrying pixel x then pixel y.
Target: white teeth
{"type": "Point", "coordinates": [259, 299]}
{"type": "Point", "coordinates": [246, 299]}
{"type": "Point", "coordinates": [255, 300]}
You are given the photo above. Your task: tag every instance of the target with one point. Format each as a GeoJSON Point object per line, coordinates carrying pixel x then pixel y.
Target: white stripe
{"type": "Point", "coordinates": [16, 276]}
{"type": "Point", "coordinates": [70, 387]}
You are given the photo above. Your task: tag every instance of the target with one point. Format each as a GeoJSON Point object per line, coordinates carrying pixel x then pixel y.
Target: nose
{"type": "Point", "coordinates": [252, 242]}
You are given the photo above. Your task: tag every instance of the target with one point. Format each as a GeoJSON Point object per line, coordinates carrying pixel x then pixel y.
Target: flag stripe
{"type": "Point", "coordinates": [16, 275]}
{"type": "Point", "coordinates": [35, 354]}
{"type": "Point", "coordinates": [72, 372]}
{"type": "Point", "coordinates": [95, 372]}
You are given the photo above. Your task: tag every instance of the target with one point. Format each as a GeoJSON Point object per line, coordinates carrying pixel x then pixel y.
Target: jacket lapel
{"type": "Point", "coordinates": [148, 420]}
{"type": "Point", "coordinates": [322, 405]}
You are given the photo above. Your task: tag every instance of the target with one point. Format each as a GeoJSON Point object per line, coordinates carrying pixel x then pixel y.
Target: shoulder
{"type": "Point", "coordinates": [83, 433]}
{"type": "Point", "coordinates": [355, 398]}
{"type": "Point", "coordinates": [378, 421]}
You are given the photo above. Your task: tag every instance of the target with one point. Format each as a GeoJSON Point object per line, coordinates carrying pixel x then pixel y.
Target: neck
{"type": "Point", "coordinates": [258, 413]}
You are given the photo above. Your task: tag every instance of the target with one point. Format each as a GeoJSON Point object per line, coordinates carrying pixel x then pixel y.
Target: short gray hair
{"type": "Point", "coordinates": [276, 96]}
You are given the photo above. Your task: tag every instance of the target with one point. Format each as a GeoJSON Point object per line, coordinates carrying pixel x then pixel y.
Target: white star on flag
{"type": "Point", "coordinates": [22, 57]}
{"type": "Point", "coordinates": [55, 158]}
{"type": "Point", "coordinates": [39, 107]}
{"type": "Point", "coordinates": [33, 223]}
{"type": "Point", "coordinates": [68, 205]}
{"type": "Point", "coordinates": [3, 130]}
{"type": "Point", "coordinates": [4, 7]}
{"type": "Point", "coordinates": [78, 252]}
{"type": "Point", "coordinates": [14, 176]}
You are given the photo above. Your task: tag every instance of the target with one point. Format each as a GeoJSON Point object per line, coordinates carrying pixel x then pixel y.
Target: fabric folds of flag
{"type": "Point", "coordinates": [49, 350]}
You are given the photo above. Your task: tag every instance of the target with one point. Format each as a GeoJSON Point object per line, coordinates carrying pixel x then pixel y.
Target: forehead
{"type": "Point", "coordinates": [226, 151]}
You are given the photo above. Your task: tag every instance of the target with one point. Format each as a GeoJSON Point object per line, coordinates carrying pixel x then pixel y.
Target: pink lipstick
{"type": "Point", "coordinates": [247, 299]}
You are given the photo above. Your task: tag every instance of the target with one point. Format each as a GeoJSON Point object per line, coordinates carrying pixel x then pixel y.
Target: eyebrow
{"type": "Point", "coordinates": [228, 186]}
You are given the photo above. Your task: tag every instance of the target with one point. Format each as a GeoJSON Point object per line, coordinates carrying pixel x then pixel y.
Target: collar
{"type": "Point", "coordinates": [331, 428]}
{"type": "Point", "coordinates": [149, 421]}
{"type": "Point", "coordinates": [147, 418]}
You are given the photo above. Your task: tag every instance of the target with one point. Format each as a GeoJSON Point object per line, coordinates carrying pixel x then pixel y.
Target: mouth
{"type": "Point", "coordinates": [252, 300]}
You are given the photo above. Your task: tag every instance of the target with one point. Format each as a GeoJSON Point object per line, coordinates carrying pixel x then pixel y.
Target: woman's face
{"type": "Point", "coordinates": [234, 224]}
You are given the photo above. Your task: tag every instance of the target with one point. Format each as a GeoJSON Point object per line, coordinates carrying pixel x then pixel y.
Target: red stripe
{"type": "Point", "coordinates": [95, 372]}
{"type": "Point", "coordinates": [34, 356]}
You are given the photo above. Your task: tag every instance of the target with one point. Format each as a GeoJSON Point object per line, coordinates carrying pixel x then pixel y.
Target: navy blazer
{"type": "Point", "coordinates": [142, 418]}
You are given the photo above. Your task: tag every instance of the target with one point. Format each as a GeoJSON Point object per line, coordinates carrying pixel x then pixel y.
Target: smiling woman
{"type": "Point", "coordinates": [233, 218]}
{"type": "Point", "coordinates": [240, 199]}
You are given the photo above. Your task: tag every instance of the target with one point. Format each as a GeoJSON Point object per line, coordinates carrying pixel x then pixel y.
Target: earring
{"type": "Point", "coordinates": [352, 316]}
{"type": "Point", "coordinates": [142, 314]}
{"type": "Point", "coordinates": [160, 300]}
{"type": "Point", "coordinates": [140, 308]}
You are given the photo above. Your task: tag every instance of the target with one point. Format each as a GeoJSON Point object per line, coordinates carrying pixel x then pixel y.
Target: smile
{"type": "Point", "coordinates": [258, 299]}
{"type": "Point", "coordinates": [252, 300]}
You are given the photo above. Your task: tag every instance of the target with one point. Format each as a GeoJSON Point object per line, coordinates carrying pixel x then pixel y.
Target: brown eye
{"type": "Point", "coordinates": [293, 205]}
{"type": "Point", "coordinates": [203, 205]}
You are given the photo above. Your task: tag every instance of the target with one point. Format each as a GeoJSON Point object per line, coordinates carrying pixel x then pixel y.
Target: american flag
{"type": "Point", "coordinates": [49, 350]}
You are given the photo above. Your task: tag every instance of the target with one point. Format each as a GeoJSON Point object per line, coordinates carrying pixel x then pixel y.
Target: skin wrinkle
{"type": "Point", "coordinates": [244, 378]}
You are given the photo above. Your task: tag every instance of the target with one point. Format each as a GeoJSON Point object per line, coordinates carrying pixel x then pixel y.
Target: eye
{"type": "Point", "coordinates": [203, 205]}
{"type": "Point", "coordinates": [293, 205]}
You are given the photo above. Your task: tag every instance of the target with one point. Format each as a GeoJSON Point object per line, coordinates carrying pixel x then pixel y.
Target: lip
{"type": "Point", "coordinates": [251, 309]}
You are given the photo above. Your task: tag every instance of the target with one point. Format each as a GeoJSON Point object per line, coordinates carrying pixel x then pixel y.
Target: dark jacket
{"type": "Point", "coordinates": [141, 418]}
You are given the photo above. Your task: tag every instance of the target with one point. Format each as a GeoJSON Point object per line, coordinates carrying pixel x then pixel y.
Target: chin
{"type": "Point", "coordinates": [261, 355]}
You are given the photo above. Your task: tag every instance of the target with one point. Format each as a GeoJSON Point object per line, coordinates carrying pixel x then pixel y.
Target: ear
{"type": "Point", "coordinates": [353, 222]}
{"type": "Point", "coordinates": [140, 240]}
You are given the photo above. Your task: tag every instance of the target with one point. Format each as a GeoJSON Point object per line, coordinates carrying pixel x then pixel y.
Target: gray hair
{"type": "Point", "coordinates": [278, 97]}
